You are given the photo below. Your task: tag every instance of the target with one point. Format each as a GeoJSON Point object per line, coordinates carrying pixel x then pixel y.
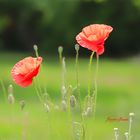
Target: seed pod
{"type": "Point", "coordinates": [72, 101]}
{"type": "Point", "coordinates": [11, 99]}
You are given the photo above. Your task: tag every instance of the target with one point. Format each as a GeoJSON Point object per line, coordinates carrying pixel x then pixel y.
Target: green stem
{"type": "Point", "coordinates": [70, 120]}
{"type": "Point", "coordinates": [77, 69]}
{"type": "Point", "coordinates": [89, 72]}
{"type": "Point", "coordinates": [68, 104]}
{"type": "Point", "coordinates": [95, 83]}
{"type": "Point", "coordinates": [4, 89]}
{"type": "Point", "coordinates": [37, 55]}
{"type": "Point", "coordinates": [77, 78]}
{"type": "Point", "coordinates": [84, 132]}
{"type": "Point", "coordinates": [60, 58]}
{"type": "Point", "coordinates": [129, 129]}
{"type": "Point", "coordinates": [45, 83]}
{"type": "Point", "coordinates": [38, 94]}
{"type": "Point", "coordinates": [116, 136]}
{"type": "Point", "coordinates": [63, 64]}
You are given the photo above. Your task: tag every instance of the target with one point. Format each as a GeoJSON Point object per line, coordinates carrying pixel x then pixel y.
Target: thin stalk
{"type": "Point", "coordinates": [77, 76]}
{"type": "Point", "coordinates": [116, 136]}
{"type": "Point", "coordinates": [68, 102]}
{"type": "Point", "coordinates": [4, 89]}
{"type": "Point", "coordinates": [89, 72]}
{"type": "Point", "coordinates": [84, 132]}
{"type": "Point", "coordinates": [60, 51]}
{"type": "Point", "coordinates": [63, 71]}
{"type": "Point", "coordinates": [44, 85]}
{"type": "Point", "coordinates": [38, 94]}
{"type": "Point", "coordinates": [37, 55]}
{"type": "Point", "coordinates": [126, 135]}
{"type": "Point", "coordinates": [70, 120]}
{"type": "Point", "coordinates": [25, 125]}
{"type": "Point", "coordinates": [129, 129]}
{"type": "Point", "coordinates": [131, 115]}
{"type": "Point", "coordinates": [95, 82]}
{"type": "Point", "coordinates": [116, 133]}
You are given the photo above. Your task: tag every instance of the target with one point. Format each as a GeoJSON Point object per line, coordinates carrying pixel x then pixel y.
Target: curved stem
{"type": "Point", "coordinates": [95, 82]}
{"type": "Point", "coordinates": [89, 72]}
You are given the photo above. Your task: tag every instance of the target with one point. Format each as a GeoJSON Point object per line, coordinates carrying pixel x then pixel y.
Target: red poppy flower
{"type": "Point", "coordinates": [93, 37]}
{"type": "Point", "coordinates": [25, 70]}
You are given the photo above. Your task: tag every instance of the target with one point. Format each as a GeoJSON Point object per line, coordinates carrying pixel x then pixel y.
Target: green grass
{"type": "Point", "coordinates": [118, 94]}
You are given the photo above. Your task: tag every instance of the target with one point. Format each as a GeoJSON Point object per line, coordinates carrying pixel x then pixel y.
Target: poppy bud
{"type": "Point", "coordinates": [131, 114]}
{"type": "Point", "coordinates": [35, 47]}
{"type": "Point", "coordinates": [63, 105]}
{"type": "Point", "coordinates": [126, 135]}
{"type": "Point", "coordinates": [116, 133]}
{"type": "Point", "coordinates": [10, 89]}
{"type": "Point", "coordinates": [84, 114]}
{"type": "Point", "coordinates": [22, 104]}
{"type": "Point", "coordinates": [72, 101]}
{"type": "Point", "coordinates": [11, 99]}
{"type": "Point", "coordinates": [60, 49]}
{"type": "Point", "coordinates": [47, 108]}
{"type": "Point", "coordinates": [89, 111]}
{"type": "Point", "coordinates": [63, 91]}
{"type": "Point", "coordinates": [36, 50]}
{"type": "Point", "coordinates": [77, 47]}
{"type": "Point", "coordinates": [115, 129]}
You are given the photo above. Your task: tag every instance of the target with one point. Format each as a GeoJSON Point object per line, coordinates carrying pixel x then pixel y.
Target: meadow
{"type": "Point", "coordinates": [118, 95]}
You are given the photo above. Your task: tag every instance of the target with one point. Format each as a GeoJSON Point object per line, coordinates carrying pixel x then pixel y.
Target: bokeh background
{"type": "Point", "coordinates": [53, 23]}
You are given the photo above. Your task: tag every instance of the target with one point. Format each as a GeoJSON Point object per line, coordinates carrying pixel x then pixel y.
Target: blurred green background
{"type": "Point", "coordinates": [49, 24]}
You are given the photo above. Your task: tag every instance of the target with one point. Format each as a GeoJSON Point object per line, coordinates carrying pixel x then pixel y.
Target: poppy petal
{"type": "Point", "coordinates": [24, 71]}
{"type": "Point", "coordinates": [93, 37]}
